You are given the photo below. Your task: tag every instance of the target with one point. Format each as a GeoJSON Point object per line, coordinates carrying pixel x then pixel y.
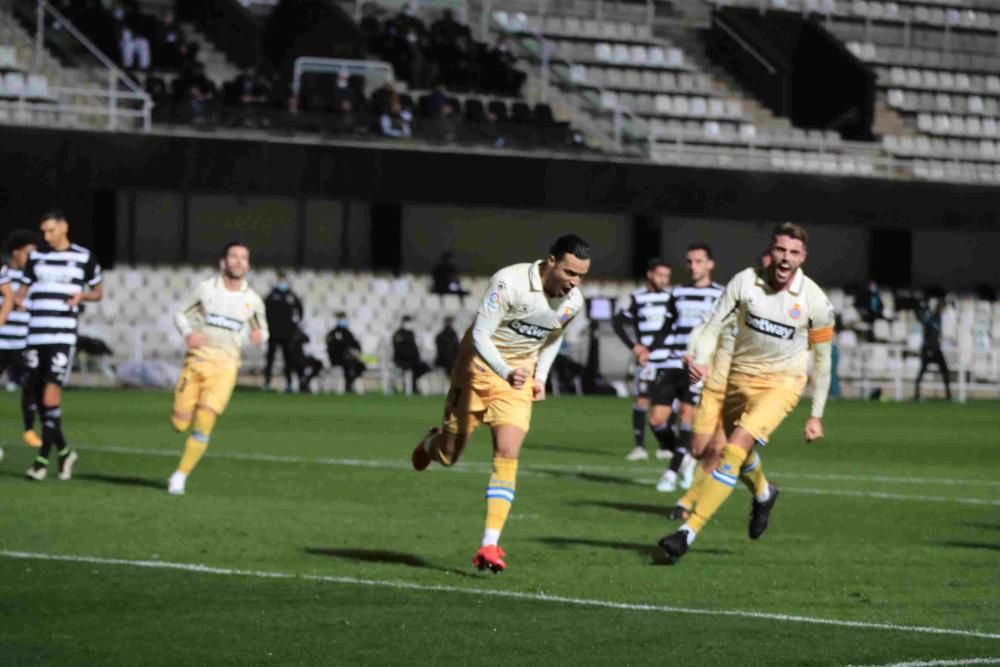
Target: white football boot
{"type": "Point", "coordinates": [668, 482]}
{"type": "Point", "coordinates": [175, 486]}
{"type": "Point", "coordinates": [637, 454]}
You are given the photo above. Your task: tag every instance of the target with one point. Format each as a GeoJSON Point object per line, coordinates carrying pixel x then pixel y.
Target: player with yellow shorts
{"type": "Point", "coordinates": [213, 322]}
{"type": "Point", "coordinates": [503, 362]}
{"type": "Point", "coordinates": [780, 313]}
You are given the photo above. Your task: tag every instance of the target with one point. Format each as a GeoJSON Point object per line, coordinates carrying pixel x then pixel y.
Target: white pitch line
{"type": "Point", "coordinates": [487, 592]}
{"type": "Point", "coordinates": [943, 663]}
{"type": "Point", "coordinates": [540, 470]}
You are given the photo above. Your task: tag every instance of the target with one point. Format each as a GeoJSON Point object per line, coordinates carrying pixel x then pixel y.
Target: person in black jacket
{"type": "Point", "coordinates": [446, 343]}
{"type": "Point", "coordinates": [344, 350]}
{"type": "Point", "coordinates": [930, 351]}
{"type": "Point", "coordinates": [306, 366]}
{"type": "Point", "coordinates": [406, 354]}
{"type": "Point", "coordinates": [284, 312]}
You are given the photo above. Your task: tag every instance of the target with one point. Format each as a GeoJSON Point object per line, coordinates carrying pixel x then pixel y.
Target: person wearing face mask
{"type": "Point", "coordinates": [284, 312]}
{"type": "Point", "coordinates": [406, 354]}
{"type": "Point", "coordinates": [344, 350]}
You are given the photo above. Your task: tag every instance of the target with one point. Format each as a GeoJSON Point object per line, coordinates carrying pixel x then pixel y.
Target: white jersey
{"type": "Point", "coordinates": [774, 328]}
{"type": "Point", "coordinates": [519, 319]}
{"type": "Point", "coordinates": [223, 316]}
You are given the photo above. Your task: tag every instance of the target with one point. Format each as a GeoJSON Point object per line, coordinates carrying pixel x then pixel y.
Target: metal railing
{"type": "Point", "coordinates": [120, 104]}
{"type": "Point", "coordinates": [375, 72]}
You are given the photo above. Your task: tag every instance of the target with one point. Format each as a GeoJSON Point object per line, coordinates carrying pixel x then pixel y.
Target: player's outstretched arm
{"type": "Point", "coordinates": [491, 311]}
{"type": "Point", "coordinates": [182, 318]}
{"type": "Point", "coordinates": [8, 302]}
{"type": "Point", "coordinates": [704, 344]}
{"type": "Point", "coordinates": [822, 369]}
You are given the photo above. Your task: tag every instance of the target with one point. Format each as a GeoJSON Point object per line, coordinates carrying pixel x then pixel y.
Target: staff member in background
{"type": "Point", "coordinates": [284, 312]}
{"type": "Point", "coordinates": [406, 354]}
{"type": "Point", "coordinates": [344, 350]}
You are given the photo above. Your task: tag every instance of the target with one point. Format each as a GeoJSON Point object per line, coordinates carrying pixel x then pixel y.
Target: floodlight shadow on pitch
{"type": "Point", "coordinates": [638, 508]}
{"type": "Point", "coordinates": [122, 480]}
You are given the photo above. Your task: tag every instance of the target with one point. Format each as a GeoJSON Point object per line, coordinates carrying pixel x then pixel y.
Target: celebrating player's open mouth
{"type": "Point", "coordinates": [783, 271]}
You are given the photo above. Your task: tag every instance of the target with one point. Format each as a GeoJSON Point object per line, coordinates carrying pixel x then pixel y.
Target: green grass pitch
{"type": "Point", "coordinates": [320, 545]}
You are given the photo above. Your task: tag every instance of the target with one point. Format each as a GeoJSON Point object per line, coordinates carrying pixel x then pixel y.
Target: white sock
{"type": "Point", "coordinates": [689, 533]}
{"type": "Point", "coordinates": [179, 475]}
{"type": "Point", "coordinates": [490, 537]}
{"type": "Point", "coordinates": [764, 497]}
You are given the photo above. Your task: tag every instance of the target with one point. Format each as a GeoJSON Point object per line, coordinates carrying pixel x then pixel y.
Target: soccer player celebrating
{"type": "Point", "coordinates": [503, 361]}
{"type": "Point", "coordinates": [14, 326]}
{"type": "Point", "coordinates": [213, 323]}
{"type": "Point", "coordinates": [690, 304]}
{"type": "Point", "coordinates": [55, 282]}
{"type": "Point", "coordinates": [780, 314]}
{"type": "Point", "coordinates": [636, 326]}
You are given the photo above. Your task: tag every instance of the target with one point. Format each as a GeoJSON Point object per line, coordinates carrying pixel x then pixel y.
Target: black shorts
{"type": "Point", "coordinates": [672, 384]}
{"type": "Point", "coordinates": [12, 361]}
{"type": "Point", "coordinates": [49, 364]}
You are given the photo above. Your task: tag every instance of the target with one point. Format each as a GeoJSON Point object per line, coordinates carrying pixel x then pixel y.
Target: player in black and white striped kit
{"type": "Point", "coordinates": [693, 302]}
{"type": "Point", "coordinates": [56, 280]}
{"type": "Point", "coordinates": [636, 326]}
{"type": "Point", "coordinates": [14, 325]}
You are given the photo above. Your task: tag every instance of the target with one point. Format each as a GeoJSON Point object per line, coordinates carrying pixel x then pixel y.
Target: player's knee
{"type": "Point", "coordinates": [204, 421]}
{"type": "Point", "coordinates": [180, 422]}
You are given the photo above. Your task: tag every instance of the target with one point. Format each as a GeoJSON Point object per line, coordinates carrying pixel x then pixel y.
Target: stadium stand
{"type": "Point", "coordinates": [135, 320]}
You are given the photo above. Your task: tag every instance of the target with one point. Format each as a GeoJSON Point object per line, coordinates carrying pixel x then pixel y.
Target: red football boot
{"type": "Point", "coordinates": [490, 558]}
{"type": "Point", "coordinates": [421, 458]}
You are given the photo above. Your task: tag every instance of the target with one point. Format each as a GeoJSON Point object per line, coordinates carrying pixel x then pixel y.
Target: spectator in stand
{"type": "Point", "coordinates": [406, 354]}
{"type": "Point", "coordinates": [284, 312]}
{"type": "Point", "coordinates": [499, 73]}
{"type": "Point", "coordinates": [930, 351]}
{"type": "Point", "coordinates": [195, 94]}
{"type": "Point", "coordinates": [248, 92]}
{"type": "Point", "coordinates": [394, 121]}
{"type": "Point", "coordinates": [305, 366]}
{"type": "Point", "coordinates": [168, 43]}
{"type": "Point", "coordinates": [443, 116]}
{"type": "Point", "coordinates": [445, 276]}
{"type": "Point", "coordinates": [446, 344]}
{"type": "Point", "coordinates": [133, 37]}
{"type": "Point", "coordinates": [344, 350]}
{"type": "Point", "coordinates": [345, 105]}
{"type": "Point", "coordinates": [869, 303]}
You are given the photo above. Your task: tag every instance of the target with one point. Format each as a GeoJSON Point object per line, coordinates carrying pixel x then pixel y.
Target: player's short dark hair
{"type": "Point", "coordinates": [572, 244]}
{"type": "Point", "coordinates": [656, 263]}
{"type": "Point", "coordinates": [701, 246]}
{"type": "Point", "coordinates": [19, 238]}
{"type": "Point", "coordinates": [340, 315]}
{"type": "Point", "coordinates": [229, 246]}
{"type": "Point", "coordinates": [52, 214]}
{"type": "Point", "coordinates": [791, 230]}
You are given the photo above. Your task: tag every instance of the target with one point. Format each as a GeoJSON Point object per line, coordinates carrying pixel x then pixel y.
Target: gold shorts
{"type": "Point", "coordinates": [760, 403]}
{"type": "Point", "coordinates": [207, 383]}
{"type": "Point", "coordinates": [708, 415]}
{"type": "Point", "coordinates": [480, 396]}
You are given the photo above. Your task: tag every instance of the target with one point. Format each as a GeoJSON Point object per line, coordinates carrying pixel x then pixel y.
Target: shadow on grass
{"type": "Point", "coordinates": [572, 450]}
{"type": "Point", "coordinates": [590, 477]}
{"type": "Point", "coordinates": [982, 525]}
{"type": "Point", "coordinates": [122, 480]}
{"type": "Point", "coordinates": [641, 548]}
{"type": "Point", "coordinates": [383, 556]}
{"type": "Point", "coordinates": [638, 508]}
{"type": "Point", "coordinates": [985, 546]}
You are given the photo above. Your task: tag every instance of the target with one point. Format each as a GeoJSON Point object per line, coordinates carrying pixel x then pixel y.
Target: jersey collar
{"type": "Point", "coordinates": [535, 276]}
{"type": "Point", "coordinates": [794, 287]}
{"type": "Point", "coordinates": [222, 285]}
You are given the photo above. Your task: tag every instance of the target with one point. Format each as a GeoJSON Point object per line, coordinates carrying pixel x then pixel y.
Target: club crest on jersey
{"type": "Point", "coordinates": [769, 328]}
{"type": "Point", "coordinates": [529, 330]}
{"type": "Point", "coordinates": [796, 312]}
{"type": "Point", "coordinates": [564, 316]}
{"type": "Point", "coordinates": [493, 302]}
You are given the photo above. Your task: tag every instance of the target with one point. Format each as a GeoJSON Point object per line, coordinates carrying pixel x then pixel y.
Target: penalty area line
{"type": "Point", "coordinates": [485, 592]}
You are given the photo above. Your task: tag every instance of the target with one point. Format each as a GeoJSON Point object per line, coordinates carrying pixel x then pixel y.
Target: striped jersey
{"type": "Point", "coordinates": [647, 313]}
{"type": "Point", "coordinates": [693, 306]}
{"type": "Point", "coordinates": [53, 276]}
{"type": "Point", "coordinates": [14, 332]}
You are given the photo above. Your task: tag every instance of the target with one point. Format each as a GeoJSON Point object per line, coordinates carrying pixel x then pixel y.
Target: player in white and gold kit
{"type": "Point", "coordinates": [780, 314]}
{"type": "Point", "coordinates": [214, 323]}
{"type": "Point", "coordinates": [503, 362]}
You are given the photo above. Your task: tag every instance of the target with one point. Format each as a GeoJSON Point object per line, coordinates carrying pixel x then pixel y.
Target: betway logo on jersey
{"type": "Point", "coordinates": [776, 329]}
{"type": "Point", "coordinates": [223, 322]}
{"type": "Point", "coordinates": [530, 330]}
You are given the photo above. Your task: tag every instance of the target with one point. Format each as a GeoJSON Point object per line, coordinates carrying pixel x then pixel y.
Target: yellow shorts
{"type": "Point", "coordinates": [708, 415]}
{"type": "Point", "coordinates": [207, 383]}
{"type": "Point", "coordinates": [760, 403]}
{"type": "Point", "coordinates": [480, 396]}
